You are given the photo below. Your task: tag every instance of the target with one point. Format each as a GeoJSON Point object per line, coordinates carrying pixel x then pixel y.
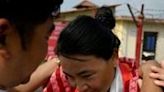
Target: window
{"type": "Point", "coordinates": [149, 45]}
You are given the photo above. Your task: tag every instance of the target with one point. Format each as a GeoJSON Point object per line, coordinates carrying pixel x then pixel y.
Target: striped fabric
{"type": "Point", "coordinates": [59, 83]}
{"type": "Point", "coordinates": [53, 39]}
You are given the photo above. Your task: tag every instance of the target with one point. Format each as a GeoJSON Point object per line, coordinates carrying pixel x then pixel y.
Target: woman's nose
{"type": "Point", "coordinates": [82, 88]}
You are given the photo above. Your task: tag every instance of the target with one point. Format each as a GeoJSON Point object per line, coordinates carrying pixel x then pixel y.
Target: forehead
{"type": "Point", "coordinates": [74, 64]}
{"type": "Point", "coordinates": [80, 59]}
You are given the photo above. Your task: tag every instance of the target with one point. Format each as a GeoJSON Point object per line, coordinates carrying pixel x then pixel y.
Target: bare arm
{"type": "Point", "coordinates": [148, 82]}
{"type": "Point", "coordinates": [38, 78]}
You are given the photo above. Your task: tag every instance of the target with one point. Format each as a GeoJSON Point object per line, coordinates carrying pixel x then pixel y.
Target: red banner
{"type": "Point", "coordinates": [53, 38]}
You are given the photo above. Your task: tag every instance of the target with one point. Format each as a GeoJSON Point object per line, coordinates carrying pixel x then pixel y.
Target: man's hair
{"type": "Point", "coordinates": [27, 10]}
{"type": "Point", "coordinates": [26, 14]}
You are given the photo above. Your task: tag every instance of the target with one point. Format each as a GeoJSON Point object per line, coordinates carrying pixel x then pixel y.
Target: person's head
{"type": "Point", "coordinates": [24, 29]}
{"type": "Point", "coordinates": [87, 50]}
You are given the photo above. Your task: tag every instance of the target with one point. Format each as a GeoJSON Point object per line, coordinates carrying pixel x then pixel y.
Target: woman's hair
{"type": "Point", "coordinates": [87, 36]}
{"type": "Point", "coordinates": [26, 14]}
{"type": "Point", "coordinates": [105, 16]}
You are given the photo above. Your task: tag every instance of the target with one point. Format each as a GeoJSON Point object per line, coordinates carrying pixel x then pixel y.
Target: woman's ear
{"type": "Point", "coordinates": [115, 57]}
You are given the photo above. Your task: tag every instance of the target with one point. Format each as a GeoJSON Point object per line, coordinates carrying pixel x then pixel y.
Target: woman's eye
{"type": "Point", "coordinates": [87, 76]}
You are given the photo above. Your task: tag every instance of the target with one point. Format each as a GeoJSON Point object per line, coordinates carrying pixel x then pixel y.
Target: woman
{"type": "Point", "coordinates": [88, 54]}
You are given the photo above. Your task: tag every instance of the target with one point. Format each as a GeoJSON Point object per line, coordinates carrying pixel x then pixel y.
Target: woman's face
{"type": "Point", "coordinates": [89, 73]}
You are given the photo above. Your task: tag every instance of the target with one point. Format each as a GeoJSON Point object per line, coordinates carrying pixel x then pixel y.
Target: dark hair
{"type": "Point", "coordinates": [106, 17]}
{"type": "Point", "coordinates": [26, 14]}
{"type": "Point", "coordinates": [86, 36]}
{"type": "Point", "coordinates": [33, 11]}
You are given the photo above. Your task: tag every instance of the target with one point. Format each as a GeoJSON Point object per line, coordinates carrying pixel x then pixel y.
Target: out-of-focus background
{"type": "Point", "coordinates": [147, 31]}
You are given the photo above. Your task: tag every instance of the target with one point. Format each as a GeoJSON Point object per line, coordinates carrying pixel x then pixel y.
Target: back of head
{"type": "Point", "coordinates": [27, 10]}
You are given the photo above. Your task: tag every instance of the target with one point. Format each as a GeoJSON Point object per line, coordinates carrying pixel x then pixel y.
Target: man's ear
{"type": "Point", "coordinates": [5, 27]}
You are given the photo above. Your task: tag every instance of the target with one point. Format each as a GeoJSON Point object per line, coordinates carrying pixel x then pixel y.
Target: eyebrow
{"type": "Point", "coordinates": [83, 72]}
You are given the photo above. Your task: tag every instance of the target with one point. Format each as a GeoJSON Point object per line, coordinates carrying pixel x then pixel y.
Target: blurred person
{"type": "Point", "coordinates": [25, 26]}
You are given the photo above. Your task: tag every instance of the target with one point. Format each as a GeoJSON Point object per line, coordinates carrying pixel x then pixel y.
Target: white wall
{"type": "Point", "coordinates": [127, 34]}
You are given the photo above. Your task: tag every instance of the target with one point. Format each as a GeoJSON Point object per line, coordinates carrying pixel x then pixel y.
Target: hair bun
{"type": "Point", "coordinates": [105, 16]}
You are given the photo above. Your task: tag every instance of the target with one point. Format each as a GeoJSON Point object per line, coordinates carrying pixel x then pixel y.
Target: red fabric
{"type": "Point", "coordinates": [126, 76]}
{"type": "Point", "coordinates": [58, 83]}
{"type": "Point", "coordinates": [54, 37]}
{"type": "Point", "coordinates": [49, 88]}
{"type": "Point", "coordinates": [129, 74]}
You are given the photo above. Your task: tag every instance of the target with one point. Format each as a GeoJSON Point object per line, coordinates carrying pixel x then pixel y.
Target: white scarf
{"type": "Point", "coordinates": [117, 85]}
